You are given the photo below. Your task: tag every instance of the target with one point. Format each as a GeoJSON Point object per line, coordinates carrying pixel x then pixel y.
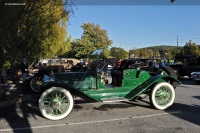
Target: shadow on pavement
{"type": "Point", "coordinates": [106, 107]}
{"type": "Point", "coordinates": [188, 113]}
{"type": "Point", "coordinates": [197, 97]}
{"type": "Point", "coordinates": [17, 117]}
{"type": "Point", "coordinates": [187, 81]}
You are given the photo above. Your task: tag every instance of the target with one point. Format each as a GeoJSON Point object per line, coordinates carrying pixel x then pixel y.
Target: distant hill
{"type": "Point", "coordinates": [162, 47]}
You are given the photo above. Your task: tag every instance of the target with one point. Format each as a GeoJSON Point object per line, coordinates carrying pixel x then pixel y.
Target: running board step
{"type": "Point", "coordinates": [106, 100]}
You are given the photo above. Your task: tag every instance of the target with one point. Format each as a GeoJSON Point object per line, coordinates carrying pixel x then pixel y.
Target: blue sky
{"type": "Point", "coordinates": [139, 26]}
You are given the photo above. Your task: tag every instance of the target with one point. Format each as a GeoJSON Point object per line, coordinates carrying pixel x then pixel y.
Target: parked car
{"type": "Point", "coordinates": [186, 64]}
{"type": "Point", "coordinates": [144, 65]}
{"type": "Point", "coordinates": [196, 76]}
{"type": "Point", "coordinates": [58, 92]}
{"type": "Point", "coordinates": [68, 63]}
{"type": "Point", "coordinates": [36, 80]}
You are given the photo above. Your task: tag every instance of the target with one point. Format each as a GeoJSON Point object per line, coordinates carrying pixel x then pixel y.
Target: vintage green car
{"type": "Point", "coordinates": [58, 92]}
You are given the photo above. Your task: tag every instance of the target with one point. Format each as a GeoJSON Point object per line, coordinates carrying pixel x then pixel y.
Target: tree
{"type": "Point", "coordinates": [131, 53]}
{"type": "Point", "coordinates": [117, 52]}
{"type": "Point", "coordinates": [143, 53]}
{"type": "Point", "coordinates": [9, 16]}
{"type": "Point", "coordinates": [35, 29]}
{"type": "Point", "coordinates": [168, 54]}
{"type": "Point", "coordinates": [196, 49]}
{"type": "Point", "coordinates": [191, 48]}
{"type": "Point", "coordinates": [113, 52]}
{"type": "Point", "coordinates": [45, 30]}
{"type": "Point", "coordinates": [38, 29]}
{"type": "Point", "coordinates": [93, 38]}
{"type": "Point", "coordinates": [136, 53]}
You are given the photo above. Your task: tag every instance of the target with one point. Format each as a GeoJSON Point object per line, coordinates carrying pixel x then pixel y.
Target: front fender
{"type": "Point", "coordinates": [149, 84]}
{"type": "Point", "coordinates": [165, 78]}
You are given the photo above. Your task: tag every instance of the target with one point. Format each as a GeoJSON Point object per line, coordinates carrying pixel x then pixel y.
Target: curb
{"type": "Point", "coordinates": [15, 101]}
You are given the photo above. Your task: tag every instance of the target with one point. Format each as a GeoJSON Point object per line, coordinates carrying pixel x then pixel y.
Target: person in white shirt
{"type": "Point", "coordinates": [44, 62]}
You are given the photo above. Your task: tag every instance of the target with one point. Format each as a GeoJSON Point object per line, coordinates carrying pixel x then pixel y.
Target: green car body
{"type": "Point", "coordinates": [91, 85]}
{"type": "Point", "coordinates": [88, 84]}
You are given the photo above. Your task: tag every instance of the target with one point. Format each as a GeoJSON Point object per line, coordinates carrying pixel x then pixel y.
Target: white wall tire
{"type": "Point", "coordinates": [56, 103]}
{"type": "Point", "coordinates": [162, 96]}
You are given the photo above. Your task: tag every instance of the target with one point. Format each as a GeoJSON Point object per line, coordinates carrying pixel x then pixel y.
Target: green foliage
{"type": "Point", "coordinates": [37, 29]}
{"type": "Point", "coordinates": [143, 53]}
{"type": "Point", "coordinates": [166, 52]}
{"type": "Point", "coordinates": [93, 38]}
{"type": "Point", "coordinates": [163, 52]}
{"type": "Point", "coordinates": [7, 65]}
{"type": "Point", "coordinates": [10, 17]}
{"type": "Point", "coordinates": [133, 53]}
{"type": "Point", "coordinates": [117, 52]}
{"type": "Point", "coordinates": [45, 29]}
{"type": "Point", "coordinates": [191, 48]}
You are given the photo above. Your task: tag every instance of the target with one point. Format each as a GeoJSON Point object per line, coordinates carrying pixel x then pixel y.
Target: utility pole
{"type": "Point", "coordinates": [177, 41]}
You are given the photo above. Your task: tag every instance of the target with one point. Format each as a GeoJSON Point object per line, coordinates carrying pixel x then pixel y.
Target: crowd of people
{"type": "Point", "coordinates": [152, 64]}
{"type": "Point", "coordinates": [24, 67]}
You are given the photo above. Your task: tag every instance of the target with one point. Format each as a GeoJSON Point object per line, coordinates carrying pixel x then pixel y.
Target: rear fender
{"type": "Point", "coordinates": [47, 85]}
{"type": "Point", "coordinates": [147, 86]}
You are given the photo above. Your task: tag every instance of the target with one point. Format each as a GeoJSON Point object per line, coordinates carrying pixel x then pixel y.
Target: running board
{"type": "Point", "coordinates": [106, 100]}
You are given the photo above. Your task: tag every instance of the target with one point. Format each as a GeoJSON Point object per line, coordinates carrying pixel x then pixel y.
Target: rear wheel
{"type": "Point", "coordinates": [35, 83]}
{"type": "Point", "coordinates": [162, 96]}
{"type": "Point", "coordinates": [56, 103]}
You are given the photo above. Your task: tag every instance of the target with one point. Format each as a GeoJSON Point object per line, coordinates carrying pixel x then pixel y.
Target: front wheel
{"type": "Point", "coordinates": [56, 103]}
{"type": "Point", "coordinates": [162, 96]}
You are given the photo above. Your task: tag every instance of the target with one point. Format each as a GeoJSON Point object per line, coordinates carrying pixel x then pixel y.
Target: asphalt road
{"type": "Point", "coordinates": [122, 117]}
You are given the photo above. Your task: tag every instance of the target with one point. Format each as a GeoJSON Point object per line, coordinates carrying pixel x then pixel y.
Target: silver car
{"type": "Point", "coordinates": [196, 76]}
